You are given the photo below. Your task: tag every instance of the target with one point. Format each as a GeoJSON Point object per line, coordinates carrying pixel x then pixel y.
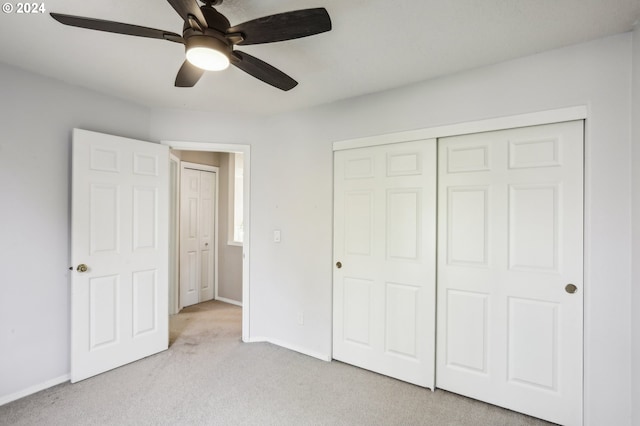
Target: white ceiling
{"type": "Point", "coordinates": [374, 45]}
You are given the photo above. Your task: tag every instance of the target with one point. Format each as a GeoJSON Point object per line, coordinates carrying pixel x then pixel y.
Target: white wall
{"type": "Point", "coordinates": [292, 191]}
{"type": "Point", "coordinates": [229, 256]}
{"type": "Point", "coordinates": [635, 299]}
{"type": "Point", "coordinates": [36, 118]}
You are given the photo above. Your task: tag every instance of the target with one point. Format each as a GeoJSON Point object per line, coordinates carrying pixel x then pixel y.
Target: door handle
{"type": "Point", "coordinates": [570, 288]}
{"type": "Point", "coordinates": [338, 265]}
{"type": "Point", "coordinates": [82, 268]}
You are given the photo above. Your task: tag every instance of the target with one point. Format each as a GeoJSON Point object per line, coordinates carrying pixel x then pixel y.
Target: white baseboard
{"type": "Point", "coordinates": [230, 301]}
{"type": "Point", "coordinates": [286, 345]}
{"type": "Point", "coordinates": [33, 389]}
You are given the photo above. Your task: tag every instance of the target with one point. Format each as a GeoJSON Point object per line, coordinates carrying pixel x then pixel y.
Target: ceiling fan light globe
{"type": "Point", "coordinates": [207, 52]}
{"type": "Point", "coordinates": [207, 58]}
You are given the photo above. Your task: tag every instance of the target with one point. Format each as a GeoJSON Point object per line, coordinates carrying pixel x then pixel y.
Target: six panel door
{"type": "Point", "coordinates": [510, 269]}
{"type": "Point", "coordinates": [384, 248]}
{"type": "Point", "coordinates": [197, 235]}
{"type": "Point", "coordinates": [119, 246]}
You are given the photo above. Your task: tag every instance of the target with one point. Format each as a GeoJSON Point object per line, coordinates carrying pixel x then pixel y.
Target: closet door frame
{"type": "Point", "coordinates": [495, 124]}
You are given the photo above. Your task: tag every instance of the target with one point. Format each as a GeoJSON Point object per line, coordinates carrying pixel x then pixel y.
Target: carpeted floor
{"type": "Point", "coordinates": [209, 377]}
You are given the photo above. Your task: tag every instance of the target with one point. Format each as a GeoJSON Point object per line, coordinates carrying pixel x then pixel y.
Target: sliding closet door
{"type": "Point", "coordinates": [384, 249]}
{"type": "Point", "coordinates": [510, 269]}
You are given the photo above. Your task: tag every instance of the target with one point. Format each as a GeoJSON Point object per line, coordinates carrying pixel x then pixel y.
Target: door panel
{"type": "Point", "coordinates": [119, 207]}
{"type": "Point", "coordinates": [384, 238]}
{"type": "Point", "coordinates": [206, 243]}
{"type": "Point", "coordinates": [510, 237]}
{"type": "Point", "coordinates": [190, 223]}
{"type": "Point", "coordinates": [145, 287]}
{"type": "Point", "coordinates": [467, 325]}
{"type": "Point", "coordinates": [145, 229]}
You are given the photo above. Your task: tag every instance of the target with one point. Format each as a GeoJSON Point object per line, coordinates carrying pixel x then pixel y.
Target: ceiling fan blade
{"type": "Point", "coordinates": [188, 75]}
{"type": "Point", "coordinates": [284, 26]}
{"type": "Point", "coordinates": [262, 71]}
{"type": "Point", "coordinates": [115, 27]}
{"type": "Point", "coordinates": [189, 7]}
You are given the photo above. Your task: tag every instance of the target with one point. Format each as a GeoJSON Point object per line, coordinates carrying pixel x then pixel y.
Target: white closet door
{"type": "Point", "coordinates": [384, 250]}
{"type": "Point", "coordinates": [510, 269]}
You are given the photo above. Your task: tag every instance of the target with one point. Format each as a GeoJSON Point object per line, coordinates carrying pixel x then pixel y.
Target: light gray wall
{"type": "Point", "coordinates": [291, 190]}
{"type": "Point", "coordinates": [36, 118]}
{"type": "Point", "coordinates": [635, 299]}
{"type": "Point", "coordinates": [229, 256]}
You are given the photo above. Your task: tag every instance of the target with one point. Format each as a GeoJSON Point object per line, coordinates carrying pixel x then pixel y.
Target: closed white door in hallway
{"type": "Point", "coordinates": [197, 233]}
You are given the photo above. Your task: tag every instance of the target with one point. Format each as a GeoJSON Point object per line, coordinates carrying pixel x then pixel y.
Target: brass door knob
{"type": "Point", "coordinates": [570, 288]}
{"type": "Point", "coordinates": [82, 268]}
{"type": "Point", "coordinates": [338, 265]}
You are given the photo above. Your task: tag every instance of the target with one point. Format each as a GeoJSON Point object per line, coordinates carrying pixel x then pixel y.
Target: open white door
{"type": "Point", "coordinates": [119, 249]}
{"type": "Point", "coordinates": [384, 248]}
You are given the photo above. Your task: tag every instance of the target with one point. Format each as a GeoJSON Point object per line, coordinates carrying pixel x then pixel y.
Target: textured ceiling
{"type": "Point", "coordinates": [374, 45]}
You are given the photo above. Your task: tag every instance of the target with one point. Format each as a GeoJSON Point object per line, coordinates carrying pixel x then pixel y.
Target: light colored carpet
{"type": "Point", "coordinates": [209, 377]}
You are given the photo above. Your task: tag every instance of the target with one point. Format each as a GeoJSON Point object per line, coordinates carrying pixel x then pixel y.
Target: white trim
{"type": "Point", "coordinates": [229, 301]}
{"type": "Point", "coordinates": [488, 125]}
{"type": "Point", "coordinates": [282, 344]}
{"type": "Point", "coordinates": [246, 261]}
{"type": "Point", "coordinates": [174, 253]}
{"type": "Point", "coordinates": [234, 243]}
{"type": "Point", "coordinates": [197, 166]}
{"type": "Point", "coordinates": [206, 146]}
{"type": "Point", "coordinates": [33, 389]}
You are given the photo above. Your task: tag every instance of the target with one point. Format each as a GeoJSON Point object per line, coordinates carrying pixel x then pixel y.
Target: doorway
{"type": "Point", "coordinates": [245, 150]}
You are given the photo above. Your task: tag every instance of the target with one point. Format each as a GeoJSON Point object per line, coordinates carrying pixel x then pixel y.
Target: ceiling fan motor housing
{"type": "Point", "coordinates": [209, 41]}
{"type": "Point", "coordinates": [212, 35]}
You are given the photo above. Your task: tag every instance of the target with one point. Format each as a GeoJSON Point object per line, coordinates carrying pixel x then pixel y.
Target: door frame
{"type": "Point", "coordinates": [488, 125]}
{"type": "Point", "coordinates": [246, 150]}
{"type": "Point", "coordinates": [174, 235]}
{"type": "Point", "coordinates": [216, 171]}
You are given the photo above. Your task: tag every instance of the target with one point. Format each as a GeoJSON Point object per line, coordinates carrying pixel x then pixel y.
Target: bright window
{"type": "Point", "coordinates": [236, 205]}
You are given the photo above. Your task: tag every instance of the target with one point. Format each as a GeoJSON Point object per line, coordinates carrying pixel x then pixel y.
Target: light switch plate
{"type": "Point", "coordinates": [276, 236]}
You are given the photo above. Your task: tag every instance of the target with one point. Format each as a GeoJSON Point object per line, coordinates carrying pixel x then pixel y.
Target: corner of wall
{"type": "Point", "coordinates": [635, 247]}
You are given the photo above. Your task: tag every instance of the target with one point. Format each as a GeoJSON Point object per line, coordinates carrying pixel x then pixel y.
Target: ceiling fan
{"type": "Point", "coordinates": [209, 38]}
